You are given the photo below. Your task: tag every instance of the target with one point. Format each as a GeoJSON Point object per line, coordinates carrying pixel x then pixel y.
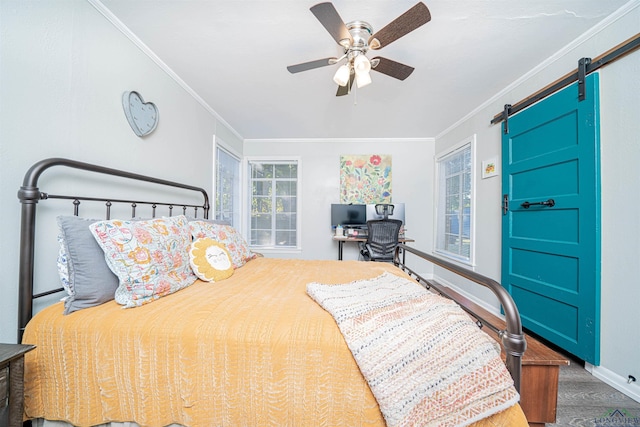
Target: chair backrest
{"type": "Point", "coordinates": [382, 238]}
{"type": "Point", "coordinates": [384, 209]}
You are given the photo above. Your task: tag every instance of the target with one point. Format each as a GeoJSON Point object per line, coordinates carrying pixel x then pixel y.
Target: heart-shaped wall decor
{"type": "Point", "coordinates": [142, 116]}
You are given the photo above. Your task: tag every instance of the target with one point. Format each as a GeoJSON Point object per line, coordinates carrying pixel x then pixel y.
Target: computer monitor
{"type": "Point", "coordinates": [348, 215]}
{"type": "Point", "coordinates": [398, 212]}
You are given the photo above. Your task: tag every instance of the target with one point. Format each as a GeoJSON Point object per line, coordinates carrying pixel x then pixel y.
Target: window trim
{"type": "Point", "coordinates": [247, 201]}
{"type": "Point", "coordinates": [220, 144]}
{"type": "Point", "coordinates": [460, 146]}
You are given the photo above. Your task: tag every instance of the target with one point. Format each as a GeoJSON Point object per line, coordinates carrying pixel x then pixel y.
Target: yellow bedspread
{"type": "Point", "coordinates": [252, 350]}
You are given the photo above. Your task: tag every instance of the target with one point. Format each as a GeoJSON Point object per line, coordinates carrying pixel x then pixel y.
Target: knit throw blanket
{"type": "Point", "coordinates": [426, 362]}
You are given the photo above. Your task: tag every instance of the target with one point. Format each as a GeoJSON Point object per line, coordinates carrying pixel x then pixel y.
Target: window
{"type": "Point", "coordinates": [274, 203]}
{"type": "Point", "coordinates": [454, 216]}
{"type": "Point", "coordinates": [227, 203]}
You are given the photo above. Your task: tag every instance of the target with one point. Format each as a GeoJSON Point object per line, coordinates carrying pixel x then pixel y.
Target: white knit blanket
{"type": "Point", "coordinates": [425, 360]}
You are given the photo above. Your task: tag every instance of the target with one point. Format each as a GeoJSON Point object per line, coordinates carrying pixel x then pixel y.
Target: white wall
{"type": "Point", "coordinates": [412, 169]}
{"type": "Point", "coordinates": [620, 142]}
{"type": "Point", "coordinates": [63, 70]}
{"type": "Point", "coordinates": [620, 132]}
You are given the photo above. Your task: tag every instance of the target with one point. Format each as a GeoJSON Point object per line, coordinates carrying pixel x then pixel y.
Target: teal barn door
{"type": "Point", "coordinates": [551, 218]}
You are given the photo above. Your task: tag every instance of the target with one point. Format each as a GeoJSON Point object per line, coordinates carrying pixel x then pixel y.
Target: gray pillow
{"type": "Point", "coordinates": [90, 281]}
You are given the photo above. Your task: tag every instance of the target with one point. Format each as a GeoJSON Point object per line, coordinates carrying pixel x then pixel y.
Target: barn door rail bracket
{"type": "Point", "coordinates": [583, 65]}
{"type": "Point", "coordinates": [589, 66]}
{"type": "Point", "coordinates": [505, 116]}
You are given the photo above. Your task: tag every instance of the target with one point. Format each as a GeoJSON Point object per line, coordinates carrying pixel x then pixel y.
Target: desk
{"type": "Point", "coordinates": [342, 239]}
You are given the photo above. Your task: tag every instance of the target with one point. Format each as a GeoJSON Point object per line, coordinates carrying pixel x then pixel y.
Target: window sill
{"type": "Point", "coordinates": [263, 250]}
{"type": "Point", "coordinates": [456, 260]}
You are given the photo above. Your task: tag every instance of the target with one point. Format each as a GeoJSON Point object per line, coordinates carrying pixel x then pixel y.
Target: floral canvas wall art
{"type": "Point", "coordinates": [365, 179]}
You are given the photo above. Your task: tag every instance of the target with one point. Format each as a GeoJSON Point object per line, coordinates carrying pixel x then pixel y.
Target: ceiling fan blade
{"type": "Point", "coordinates": [392, 68]}
{"type": "Point", "coordinates": [311, 65]}
{"type": "Point", "coordinates": [346, 89]}
{"type": "Point", "coordinates": [413, 18]}
{"type": "Point", "coordinates": [329, 18]}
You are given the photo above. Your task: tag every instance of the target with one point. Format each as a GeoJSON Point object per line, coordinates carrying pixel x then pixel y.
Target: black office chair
{"type": "Point", "coordinates": [384, 209]}
{"type": "Point", "coordinates": [382, 240]}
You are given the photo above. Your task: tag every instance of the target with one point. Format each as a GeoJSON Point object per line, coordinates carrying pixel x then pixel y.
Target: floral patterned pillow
{"type": "Point", "coordinates": [228, 236]}
{"type": "Point", "coordinates": [63, 267]}
{"type": "Point", "coordinates": [150, 258]}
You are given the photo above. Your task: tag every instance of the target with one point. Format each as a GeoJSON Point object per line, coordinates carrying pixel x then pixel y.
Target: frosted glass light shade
{"type": "Point", "coordinates": [363, 79]}
{"type": "Point", "coordinates": [361, 64]}
{"type": "Point", "coordinates": [342, 75]}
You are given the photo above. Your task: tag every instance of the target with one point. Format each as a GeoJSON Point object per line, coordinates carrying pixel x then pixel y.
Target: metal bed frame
{"type": "Point", "coordinates": [29, 195]}
{"type": "Point", "coordinates": [512, 337]}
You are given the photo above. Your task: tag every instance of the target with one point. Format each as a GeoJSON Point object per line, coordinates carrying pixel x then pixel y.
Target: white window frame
{"type": "Point", "coordinates": [440, 208]}
{"type": "Point", "coordinates": [237, 205]}
{"type": "Point", "coordinates": [247, 199]}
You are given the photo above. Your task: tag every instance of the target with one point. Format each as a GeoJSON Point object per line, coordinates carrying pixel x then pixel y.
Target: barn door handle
{"type": "Point", "coordinates": [505, 204]}
{"type": "Point", "coordinates": [551, 203]}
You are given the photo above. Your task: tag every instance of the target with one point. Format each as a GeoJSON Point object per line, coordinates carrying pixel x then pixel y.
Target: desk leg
{"type": "Point", "coordinates": [340, 243]}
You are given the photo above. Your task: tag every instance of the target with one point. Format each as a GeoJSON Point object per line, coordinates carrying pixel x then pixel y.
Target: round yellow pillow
{"type": "Point", "coordinates": [210, 260]}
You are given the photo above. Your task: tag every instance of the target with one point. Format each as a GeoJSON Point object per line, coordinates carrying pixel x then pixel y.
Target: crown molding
{"type": "Point", "coordinates": [104, 11]}
{"type": "Point", "coordinates": [599, 27]}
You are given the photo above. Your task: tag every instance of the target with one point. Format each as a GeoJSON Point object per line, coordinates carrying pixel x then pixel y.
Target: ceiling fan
{"type": "Point", "coordinates": [356, 38]}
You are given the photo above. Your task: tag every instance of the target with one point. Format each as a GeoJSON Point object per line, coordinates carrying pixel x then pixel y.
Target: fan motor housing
{"type": "Point", "coordinates": [360, 32]}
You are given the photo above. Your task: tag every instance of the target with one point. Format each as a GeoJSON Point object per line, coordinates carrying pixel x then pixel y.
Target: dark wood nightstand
{"type": "Point", "coordinates": [12, 383]}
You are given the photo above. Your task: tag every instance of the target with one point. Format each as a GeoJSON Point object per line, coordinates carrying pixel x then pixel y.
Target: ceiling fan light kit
{"type": "Point", "coordinates": [361, 64]}
{"type": "Point", "coordinates": [356, 38]}
{"type": "Point", "coordinates": [342, 75]}
{"type": "Point", "coordinates": [363, 79]}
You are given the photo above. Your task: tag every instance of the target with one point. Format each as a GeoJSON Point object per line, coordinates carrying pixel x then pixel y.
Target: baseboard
{"type": "Point", "coordinates": [614, 380]}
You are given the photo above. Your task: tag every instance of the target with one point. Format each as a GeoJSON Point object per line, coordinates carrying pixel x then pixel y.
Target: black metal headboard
{"type": "Point", "coordinates": [29, 195]}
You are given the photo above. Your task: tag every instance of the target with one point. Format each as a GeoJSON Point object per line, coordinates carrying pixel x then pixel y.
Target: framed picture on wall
{"type": "Point", "coordinates": [490, 167]}
{"type": "Point", "coordinates": [365, 178]}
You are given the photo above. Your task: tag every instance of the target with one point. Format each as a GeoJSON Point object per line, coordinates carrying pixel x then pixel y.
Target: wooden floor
{"type": "Point", "coordinates": [583, 399]}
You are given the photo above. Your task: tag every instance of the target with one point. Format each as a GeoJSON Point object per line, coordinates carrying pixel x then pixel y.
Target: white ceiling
{"type": "Point", "coordinates": [234, 54]}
